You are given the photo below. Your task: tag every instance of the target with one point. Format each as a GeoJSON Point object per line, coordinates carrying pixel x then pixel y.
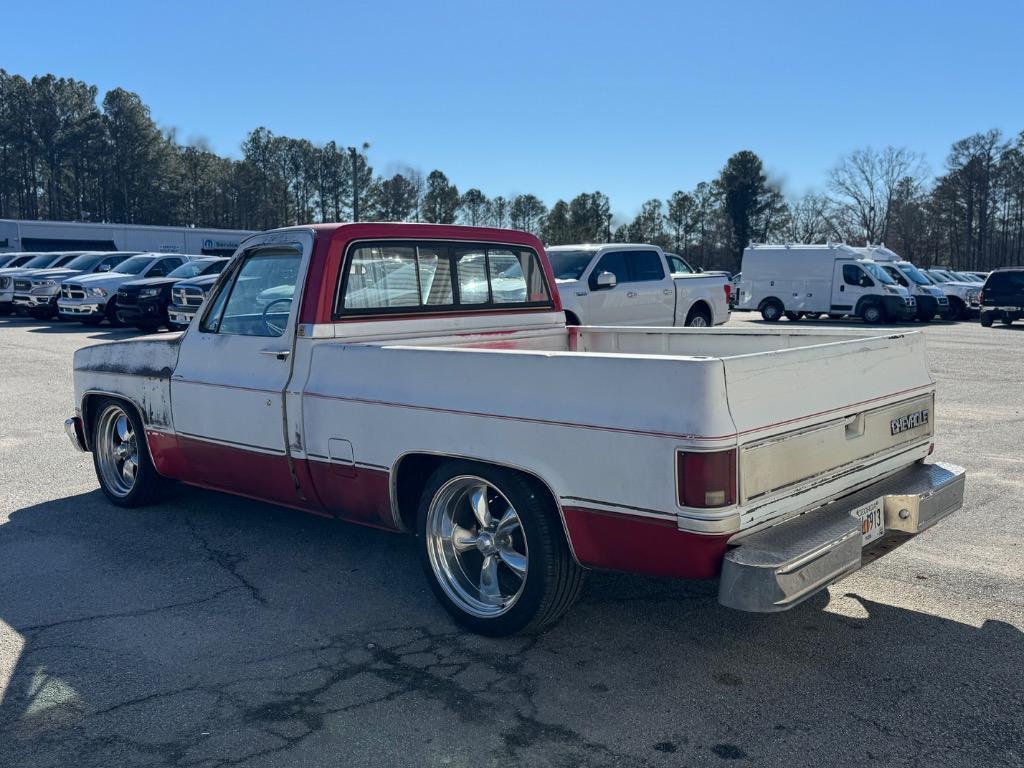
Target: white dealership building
{"type": "Point", "coordinates": [40, 236]}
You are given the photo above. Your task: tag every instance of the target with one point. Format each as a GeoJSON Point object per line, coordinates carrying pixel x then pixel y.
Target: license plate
{"type": "Point", "coordinates": [872, 521]}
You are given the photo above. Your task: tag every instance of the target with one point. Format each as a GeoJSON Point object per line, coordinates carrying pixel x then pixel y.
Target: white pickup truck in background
{"type": "Point", "coordinates": [636, 285]}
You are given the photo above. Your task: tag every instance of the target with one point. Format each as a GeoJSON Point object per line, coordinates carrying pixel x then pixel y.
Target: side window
{"type": "Point", "coordinates": [109, 263]}
{"type": "Point", "coordinates": [895, 275]}
{"type": "Point", "coordinates": [645, 265]}
{"type": "Point", "coordinates": [677, 265]}
{"type": "Point", "coordinates": [162, 267]}
{"type": "Point", "coordinates": [852, 275]}
{"type": "Point", "coordinates": [614, 262]}
{"type": "Point", "coordinates": [258, 299]}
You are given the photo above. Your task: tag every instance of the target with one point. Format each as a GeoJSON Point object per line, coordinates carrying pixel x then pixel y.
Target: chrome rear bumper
{"type": "Point", "coordinates": [777, 568]}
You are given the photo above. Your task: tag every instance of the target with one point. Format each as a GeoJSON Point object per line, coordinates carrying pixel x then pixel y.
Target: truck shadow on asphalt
{"type": "Point", "coordinates": [211, 628]}
{"type": "Point", "coordinates": [55, 327]}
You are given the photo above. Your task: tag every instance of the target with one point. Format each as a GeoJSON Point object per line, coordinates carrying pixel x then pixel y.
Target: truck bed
{"type": "Point", "coordinates": [709, 389]}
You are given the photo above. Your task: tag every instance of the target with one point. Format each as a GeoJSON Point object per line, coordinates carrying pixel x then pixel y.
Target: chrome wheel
{"type": "Point", "coordinates": [117, 451]}
{"type": "Point", "coordinates": [476, 546]}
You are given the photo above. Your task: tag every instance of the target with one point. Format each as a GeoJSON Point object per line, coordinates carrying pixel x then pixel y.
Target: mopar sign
{"type": "Point", "coordinates": [210, 245]}
{"type": "Point", "coordinates": [910, 421]}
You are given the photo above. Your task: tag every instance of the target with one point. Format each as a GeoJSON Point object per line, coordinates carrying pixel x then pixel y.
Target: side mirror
{"type": "Point", "coordinates": [606, 280]}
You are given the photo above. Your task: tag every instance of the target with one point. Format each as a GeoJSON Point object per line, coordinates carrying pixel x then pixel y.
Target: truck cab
{"type": "Point", "coordinates": [636, 285]}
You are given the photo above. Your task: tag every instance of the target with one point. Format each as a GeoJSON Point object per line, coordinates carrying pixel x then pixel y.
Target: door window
{"type": "Point", "coordinates": [644, 266]}
{"type": "Point", "coordinates": [257, 300]}
{"type": "Point", "coordinates": [614, 262]}
{"type": "Point", "coordinates": [852, 275]}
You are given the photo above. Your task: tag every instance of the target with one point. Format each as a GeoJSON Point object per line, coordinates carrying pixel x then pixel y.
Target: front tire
{"type": "Point", "coordinates": [1006, 320]}
{"type": "Point", "coordinates": [121, 457]}
{"type": "Point", "coordinates": [493, 550]}
{"type": "Point", "coordinates": [957, 310]}
{"type": "Point", "coordinates": [986, 319]}
{"type": "Point", "coordinates": [872, 314]}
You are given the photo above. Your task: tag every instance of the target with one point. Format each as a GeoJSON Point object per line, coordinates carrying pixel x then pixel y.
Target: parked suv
{"type": "Point", "coordinates": [144, 303]}
{"type": "Point", "coordinates": [1002, 297]}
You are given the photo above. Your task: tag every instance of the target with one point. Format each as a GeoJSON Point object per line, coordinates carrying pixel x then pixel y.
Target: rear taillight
{"type": "Point", "coordinates": [981, 295]}
{"type": "Point", "coordinates": [728, 293]}
{"type": "Point", "coordinates": [706, 479]}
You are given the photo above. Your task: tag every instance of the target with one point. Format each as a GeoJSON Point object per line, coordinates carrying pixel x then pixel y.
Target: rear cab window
{"type": "Point", "coordinates": [422, 277]}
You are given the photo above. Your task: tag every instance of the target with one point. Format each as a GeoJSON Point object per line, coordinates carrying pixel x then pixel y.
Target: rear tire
{"type": "Point", "coordinates": [794, 316]}
{"type": "Point", "coordinates": [772, 310]}
{"type": "Point", "coordinates": [493, 550]}
{"type": "Point", "coordinates": [121, 458]}
{"type": "Point", "coordinates": [698, 317]}
{"type": "Point", "coordinates": [1007, 320]}
{"type": "Point", "coordinates": [987, 319]}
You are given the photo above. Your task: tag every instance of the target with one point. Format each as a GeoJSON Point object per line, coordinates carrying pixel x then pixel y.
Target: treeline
{"type": "Point", "coordinates": [65, 155]}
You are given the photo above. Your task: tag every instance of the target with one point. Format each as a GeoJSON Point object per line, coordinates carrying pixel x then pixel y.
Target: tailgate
{"type": "Point", "coordinates": [815, 419]}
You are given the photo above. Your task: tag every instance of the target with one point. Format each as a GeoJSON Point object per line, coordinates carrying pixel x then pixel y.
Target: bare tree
{"type": "Point", "coordinates": [864, 184]}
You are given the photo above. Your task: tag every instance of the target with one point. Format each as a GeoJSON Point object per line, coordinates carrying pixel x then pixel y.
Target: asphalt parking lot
{"type": "Point", "coordinates": [215, 631]}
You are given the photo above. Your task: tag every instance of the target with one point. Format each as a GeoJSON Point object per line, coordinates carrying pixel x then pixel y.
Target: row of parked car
{"type": "Point", "coordinates": [611, 284]}
{"type": "Point", "coordinates": [145, 290]}
{"type": "Point", "coordinates": [872, 283]}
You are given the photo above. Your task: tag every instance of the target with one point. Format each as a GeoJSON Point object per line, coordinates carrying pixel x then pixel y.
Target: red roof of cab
{"type": "Point", "coordinates": [333, 239]}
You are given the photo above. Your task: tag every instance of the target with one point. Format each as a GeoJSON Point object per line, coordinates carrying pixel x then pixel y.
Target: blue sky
{"type": "Point", "coordinates": [635, 99]}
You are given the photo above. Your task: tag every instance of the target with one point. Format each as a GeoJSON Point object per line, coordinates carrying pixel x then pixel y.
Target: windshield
{"type": "Point", "coordinates": [878, 273]}
{"type": "Point", "coordinates": [913, 273]}
{"type": "Point", "coordinates": [569, 265]}
{"type": "Point", "coordinates": [42, 260]}
{"type": "Point", "coordinates": [937, 276]}
{"type": "Point", "coordinates": [966, 277]}
{"type": "Point", "coordinates": [134, 265]}
{"type": "Point", "coordinates": [188, 269]}
{"type": "Point", "coordinates": [84, 262]}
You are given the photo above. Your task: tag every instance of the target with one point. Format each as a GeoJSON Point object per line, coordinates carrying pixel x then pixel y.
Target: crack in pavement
{"type": "Point", "coordinates": [227, 561]}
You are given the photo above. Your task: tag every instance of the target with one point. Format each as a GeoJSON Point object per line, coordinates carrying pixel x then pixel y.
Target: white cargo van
{"type": "Point", "coordinates": [801, 280]}
{"type": "Point", "coordinates": [931, 301]}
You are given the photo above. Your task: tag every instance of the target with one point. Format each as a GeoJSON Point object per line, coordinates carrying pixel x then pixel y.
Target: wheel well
{"type": "Point", "coordinates": [702, 307]}
{"type": "Point", "coordinates": [865, 301]}
{"type": "Point", "coordinates": [89, 402]}
{"type": "Point", "coordinates": [571, 319]}
{"type": "Point", "coordinates": [414, 469]}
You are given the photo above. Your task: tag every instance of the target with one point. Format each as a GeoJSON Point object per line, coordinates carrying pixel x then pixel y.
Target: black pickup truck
{"type": "Point", "coordinates": [1002, 297]}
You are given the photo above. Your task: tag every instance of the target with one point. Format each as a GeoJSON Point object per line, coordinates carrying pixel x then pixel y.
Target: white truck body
{"type": "Point", "coordinates": [650, 288]}
{"type": "Point", "coordinates": [817, 279]}
{"type": "Point", "coordinates": [346, 412]}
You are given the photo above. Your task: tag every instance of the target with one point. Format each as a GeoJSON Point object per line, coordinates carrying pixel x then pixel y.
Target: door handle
{"type": "Point", "coordinates": [631, 294]}
{"type": "Point", "coordinates": [667, 291]}
{"type": "Point", "coordinates": [280, 354]}
{"type": "Point", "coordinates": [842, 287]}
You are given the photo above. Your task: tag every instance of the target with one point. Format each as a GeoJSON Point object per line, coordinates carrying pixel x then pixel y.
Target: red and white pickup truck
{"type": "Point", "coordinates": [422, 378]}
